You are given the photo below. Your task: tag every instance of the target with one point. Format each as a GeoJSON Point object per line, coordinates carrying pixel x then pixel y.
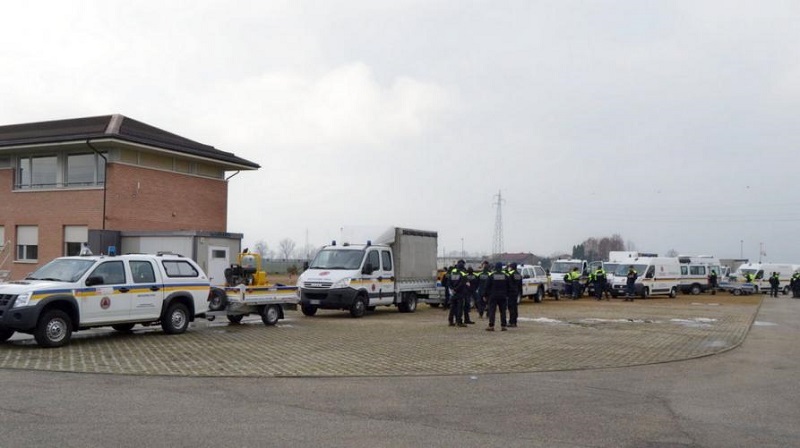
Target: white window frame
{"type": "Point", "coordinates": [75, 234]}
{"type": "Point", "coordinates": [27, 237]}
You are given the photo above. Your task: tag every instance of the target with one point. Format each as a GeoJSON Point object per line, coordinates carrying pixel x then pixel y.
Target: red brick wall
{"type": "Point", "coordinates": [137, 199]}
{"type": "Point", "coordinates": [147, 199]}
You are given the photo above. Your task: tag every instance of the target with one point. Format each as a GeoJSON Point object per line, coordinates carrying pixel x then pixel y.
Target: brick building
{"type": "Point", "coordinates": [68, 182]}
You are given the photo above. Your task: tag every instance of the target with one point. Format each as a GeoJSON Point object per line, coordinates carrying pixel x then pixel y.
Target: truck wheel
{"type": "Point", "coordinates": [645, 293]}
{"type": "Point", "coordinates": [218, 300]}
{"type": "Point", "coordinates": [539, 295]}
{"type": "Point", "coordinates": [235, 318]}
{"type": "Point", "coordinates": [408, 304]}
{"type": "Point", "coordinates": [123, 328]}
{"type": "Point", "coordinates": [695, 290]}
{"type": "Point", "coordinates": [176, 319]}
{"type": "Point", "coordinates": [308, 310]}
{"type": "Point", "coordinates": [54, 329]}
{"type": "Point", "coordinates": [673, 292]}
{"type": "Point", "coordinates": [359, 307]}
{"type": "Point", "coordinates": [737, 292]}
{"type": "Point", "coordinates": [5, 334]}
{"type": "Point", "coordinates": [270, 314]}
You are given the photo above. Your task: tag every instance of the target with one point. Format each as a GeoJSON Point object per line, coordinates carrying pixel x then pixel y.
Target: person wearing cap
{"type": "Point", "coordinates": [457, 278]}
{"type": "Point", "coordinates": [774, 284]}
{"type": "Point", "coordinates": [630, 283]}
{"type": "Point", "coordinates": [480, 297]}
{"type": "Point", "coordinates": [795, 284]}
{"type": "Point", "coordinates": [497, 290]}
{"type": "Point", "coordinates": [713, 282]}
{"type": "Point", "coordinates": [514, 290]}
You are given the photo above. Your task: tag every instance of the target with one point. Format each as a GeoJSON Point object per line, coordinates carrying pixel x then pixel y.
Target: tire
{"type": "Point", "coordinates": [673, 292]}
{"type": "Point", "coordinates": [235, 318]}
{"type": "Point", "coordinates": [737, 292]}
{"type": "Point", "coordinates": [359, 307]}
{"type": "Point", "coordinates": [557, 295]}
{"type": "Point", "coordinates": [123, 328]}
{"type": "Point", "coordinates": [408, 304]}
{"type": "Point", "coordinates": [695, 290]}
{"type": "Point", "coordinates": [539, 295]}
{"type": "Point", "coordinates": [308, 310]}
{"type": "Point", "coordinates": [270, 314]}
{"type": "Point", "coordinates": [54, 329]}
{"type": "Point", "coordinates": [434, 305]}
{"type": "Point", "coordinates": [645, 292]}
{"type": "Point", "coordinates": [5, 334]}
{"type": "Point", "coordinates": [176, 319]}
{"type": "Point", "coordinates": [786, 290]}
{"type": "Point", "coordinates": [218, 300]}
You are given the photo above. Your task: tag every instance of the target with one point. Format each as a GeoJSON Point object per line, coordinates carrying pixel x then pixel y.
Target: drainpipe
{"type": "Point", "coordinates": [229, 177]}
{"type": "Point", "coordinates": [105, 179]}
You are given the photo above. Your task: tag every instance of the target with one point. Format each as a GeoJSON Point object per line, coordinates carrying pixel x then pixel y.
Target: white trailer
{"type": "Point", "coordinates": [399, 269]}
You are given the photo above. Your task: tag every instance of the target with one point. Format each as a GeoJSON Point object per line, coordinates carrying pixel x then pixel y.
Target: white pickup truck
{"type": "Point", "coordinates": [76, 293]}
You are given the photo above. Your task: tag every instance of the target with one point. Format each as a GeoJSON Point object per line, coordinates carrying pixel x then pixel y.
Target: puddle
{"type": "Point", "coordinates": [759, 323]}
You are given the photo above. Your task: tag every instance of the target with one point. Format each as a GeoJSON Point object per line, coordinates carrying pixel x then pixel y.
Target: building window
{"type": "Point", "coordinates": [59, 171]}
{"type": "Point", "coordinates": [2, 241]}
{"type": "Point", "coordinates": [27, 243]}
{"type": "Point", "coordinates": [74, 238]}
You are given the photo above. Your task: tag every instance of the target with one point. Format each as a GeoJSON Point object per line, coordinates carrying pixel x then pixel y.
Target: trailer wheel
{"type": "Point", "coordinates": [308, 310]}
{"type": "Point", "coordinates": [218, 301]}
{"type": "Point", "coordinates": [54, 329]}
{"type": "Point", "coordinates": [5, 334]}
{"type": "Point", "coordinates": [537, 298]}
{"type": "Point", "coordinates": [673, 292]}
{"type": "Point", "coordinates": [270, 314]}
{"type": "Point", "coordinates": [359, 307]}
{"type": "Point", "coordinates": [235, 318]}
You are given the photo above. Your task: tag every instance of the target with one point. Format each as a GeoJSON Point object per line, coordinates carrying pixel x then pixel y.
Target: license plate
{"type": "Point", "coordinates": [314, 302]}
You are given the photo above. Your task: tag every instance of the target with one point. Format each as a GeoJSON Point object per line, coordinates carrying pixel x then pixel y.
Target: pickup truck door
{"type": "Point", "coordinates": [147, 292]}
{"type": "Point", "coordinates": [110, 299]}
{"type": "Point", "coordinates": [388, 280]}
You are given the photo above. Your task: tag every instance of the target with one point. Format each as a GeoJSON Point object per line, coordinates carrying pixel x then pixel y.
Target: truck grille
{"type": "Point", "coordinates": [5, 301]}
{"type": "Point", "coordinates": [318, 285]}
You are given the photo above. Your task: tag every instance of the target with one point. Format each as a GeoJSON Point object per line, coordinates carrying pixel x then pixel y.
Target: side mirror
{"type": "Point", "coordinates": [94, 280]}
{"type": "Point", "coordinates": [368, 269]}
{"type": "Point", "coordinates": [305, 265]}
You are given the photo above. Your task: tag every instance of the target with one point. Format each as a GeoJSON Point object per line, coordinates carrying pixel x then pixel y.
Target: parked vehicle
{"type": "Point", "coordinates": [534, 282]}
{"type": "Point", "coordinates": [762, 272]}
{"type": "Point", "coordinates": [695, 271]}
{"type": "Point", "coordinates": [248, 291]}
{"type": "Point", "coordinates": [71, 294]}
{"type": "Point", "coordinates": [657, 276]}
{"type": "Point", "coordinates": [561, 267]}
{"type": "Point", "coordinates": [398, 270]}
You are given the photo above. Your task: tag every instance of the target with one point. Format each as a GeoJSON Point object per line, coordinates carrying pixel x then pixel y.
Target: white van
{"type": "Point", "coordinates": [695, 272]}
{"type": "Point", "coordinates": [534, 282]}
{"type": "Point", "coordinates": [763, 271]}
{"type": "Point", "coordinates": [657, 276]}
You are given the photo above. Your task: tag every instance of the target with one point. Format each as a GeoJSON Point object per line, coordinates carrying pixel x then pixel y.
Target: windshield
{"type": "Point", "coordinates": [562, 267]}
{"type": "Point", "coordinates": [622, 269]}
{"type": "Point", "coordinates": [337, 259]}
{"type": "Point", "coordinates": [610, 268]}
{"type": "Point", "coordinates": [747, 271]}
{"type": "Point", "coordinates": [62, 270]}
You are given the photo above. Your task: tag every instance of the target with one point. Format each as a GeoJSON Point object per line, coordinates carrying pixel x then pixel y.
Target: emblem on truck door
{"type": "Point", "coordinates": [105, 302]}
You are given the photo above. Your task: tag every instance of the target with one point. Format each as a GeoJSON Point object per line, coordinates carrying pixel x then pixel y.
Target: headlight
{"type": "Point", "coordinates": [22, 300]}
{"type": "Point", "coordinates": [343, 283]}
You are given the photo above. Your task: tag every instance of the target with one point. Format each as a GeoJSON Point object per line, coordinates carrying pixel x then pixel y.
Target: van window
{"type": "Point", "coordinates": [684, 270]}
{"type": "Point", "coordinates": [179, 268]}
{"type": "Point", "coordinates": [539, 271]}
{"type": "Point", "coordinates": [386, 258]}
{"type": "Point", "coordinates": [373, 259]}
{"type": "Point", "coordinates": [697, 270]}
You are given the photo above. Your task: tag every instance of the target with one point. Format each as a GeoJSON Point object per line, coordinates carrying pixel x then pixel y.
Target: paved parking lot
{"type": "Point", "coordinates": [554, 335]}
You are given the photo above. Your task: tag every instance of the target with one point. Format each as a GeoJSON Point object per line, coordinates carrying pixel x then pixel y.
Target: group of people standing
{"type": "Point", "coordinates": [491, 290]}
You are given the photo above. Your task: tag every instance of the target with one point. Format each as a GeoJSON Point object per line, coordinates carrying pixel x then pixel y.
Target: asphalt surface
{"type": "Point", "coordinates": [739, 397]}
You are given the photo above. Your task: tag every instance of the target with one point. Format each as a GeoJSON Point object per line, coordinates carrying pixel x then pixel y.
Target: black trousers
{"type": "Point", "coordinates": [513, 310]}
{"type": "Point", "coordinates": [495, 304]}
{"type": "Point", "coordinates": [456, 309]}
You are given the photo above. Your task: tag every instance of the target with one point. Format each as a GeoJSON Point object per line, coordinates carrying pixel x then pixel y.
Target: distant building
{"type": "Point", "coordinates": [79, 181]}
{"type": "Point", "coordinates": [519, 258]}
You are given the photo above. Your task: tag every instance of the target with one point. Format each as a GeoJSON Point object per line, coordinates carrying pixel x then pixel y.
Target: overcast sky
{"type": "Point", "coordinates": [673, 123]}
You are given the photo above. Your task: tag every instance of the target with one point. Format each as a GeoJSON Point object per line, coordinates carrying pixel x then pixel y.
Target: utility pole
{"type": "Point", "coordinates": [497, 243]}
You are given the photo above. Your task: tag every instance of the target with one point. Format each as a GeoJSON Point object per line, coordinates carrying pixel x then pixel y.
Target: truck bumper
{"type": "Point", "coordinates": [20, 319]}
{"type": "Point", "coordinates": [328, 299]}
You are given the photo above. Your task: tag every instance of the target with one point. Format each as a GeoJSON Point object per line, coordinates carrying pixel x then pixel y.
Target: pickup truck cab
{"type": "Point", "coordinates": [534, 282]}
{"type": "Point", "coordinates": [77, 293]}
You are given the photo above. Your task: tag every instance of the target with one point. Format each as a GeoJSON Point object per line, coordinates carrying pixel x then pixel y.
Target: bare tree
{"type": "Point", "coordinates": [261, 248]}
{"type": "Point", "coordinates": [286, 248]}
{"type": "Point", "coordinates": [672, 253]}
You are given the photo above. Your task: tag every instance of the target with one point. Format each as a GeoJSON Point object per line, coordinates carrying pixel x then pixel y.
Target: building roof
{"type": "Point", "coordinates": [115, 127]}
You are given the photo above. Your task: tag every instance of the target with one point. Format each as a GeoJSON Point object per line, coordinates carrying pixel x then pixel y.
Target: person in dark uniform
{"type": "Point", "coordinates": [713, 282]}
{"type": "Point", "coordinates": [472, 290]}
{"type": "Point", "coordinates": [630, 283]}
{"type": "Point", "coordinates": [795, 285]}
{"type": "Point", "coordinates": [457, 277]}
{"type": "Point", "coordinates": [497, 290]}
{"type": "Point", "coordinates": [514, 290]}
{"type": "Point", "coordinates": [774, 284]}
{"type": "Point", "coordinates": [598, 277]}
{"type": "Point", "coordinates": [480, 297]}
{"type": "Point", "coordinates": [446, 284]}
